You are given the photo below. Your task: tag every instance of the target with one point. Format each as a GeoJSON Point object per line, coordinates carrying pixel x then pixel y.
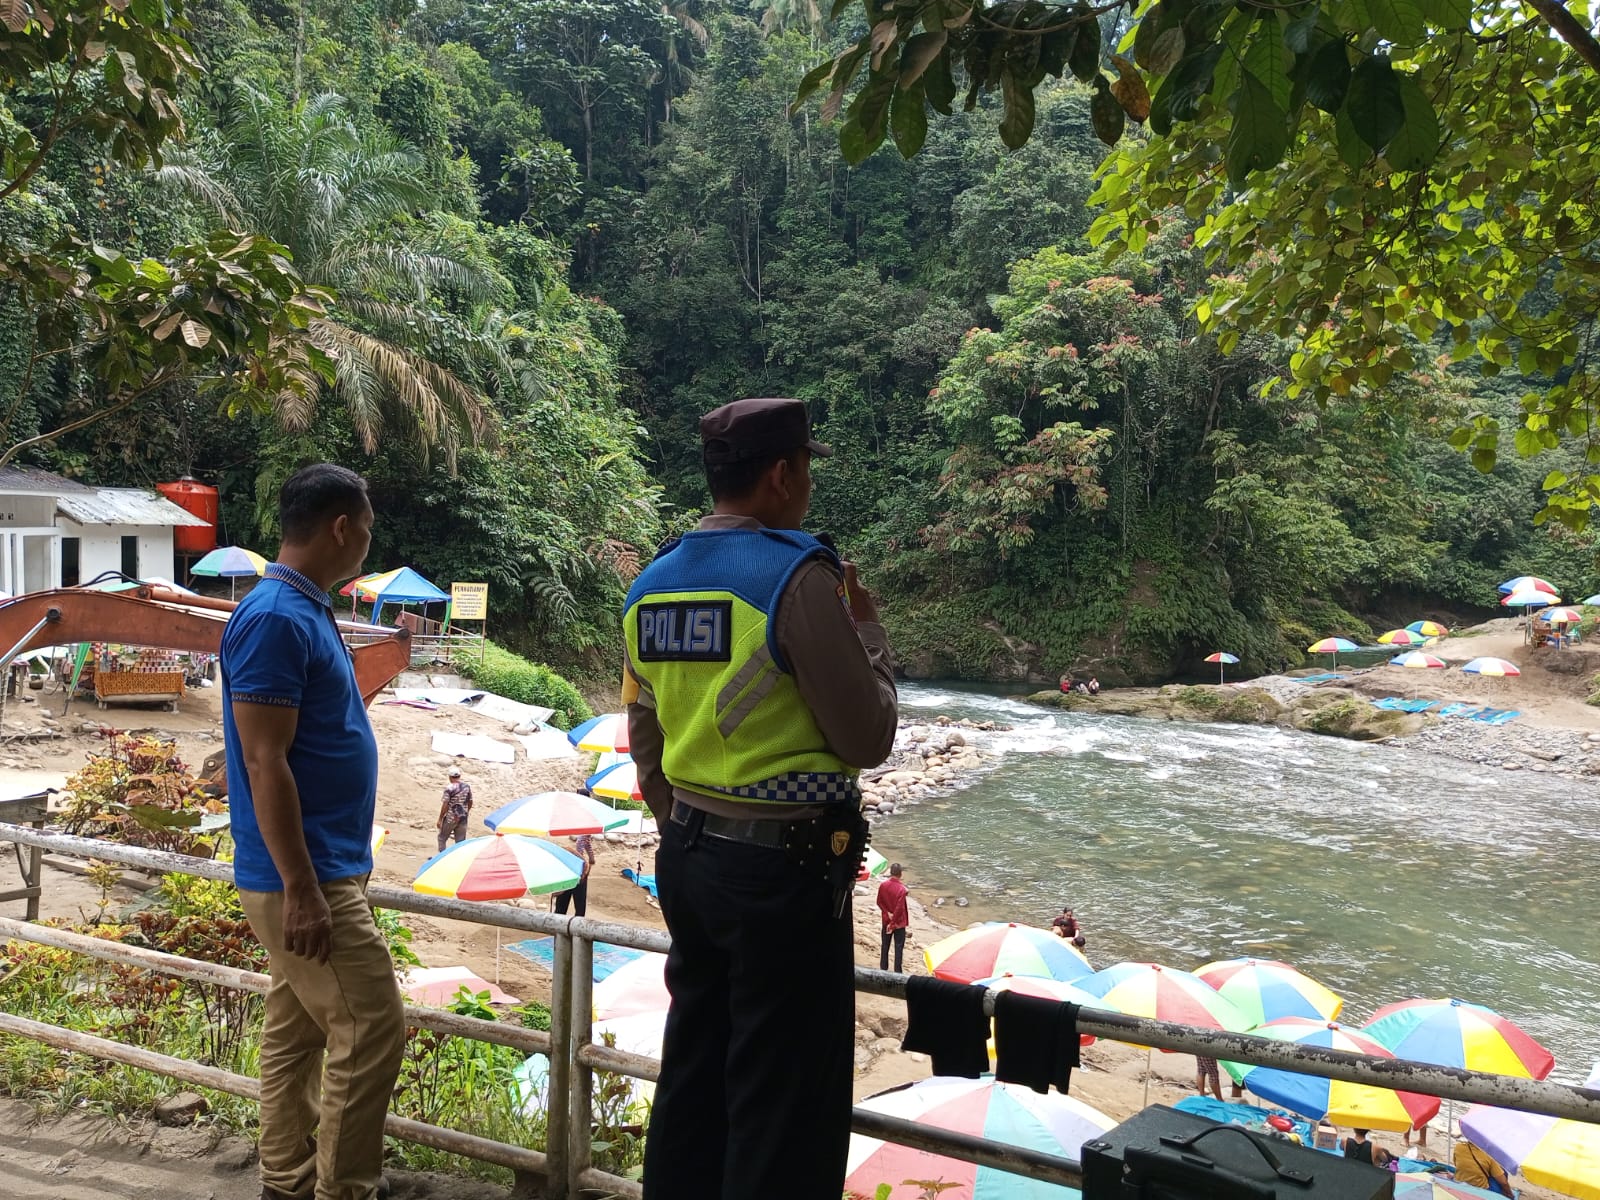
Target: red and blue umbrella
{"type": "Point", "coordinates": [1049, 1122]}
{"type": "Point", "coordinates": [555, 814]}
{"type": "Point", "coordinates": [1266, 990]}
{"type": "Point", "coordinates": [1453, 1033]}
{"type": "Point", "coordinates": [1527, 583]}
{"type": "Point", "coordinates": [1005, 949]}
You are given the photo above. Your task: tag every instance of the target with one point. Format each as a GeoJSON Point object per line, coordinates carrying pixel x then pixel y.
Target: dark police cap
{"type": "Point", "coordinates": [752, 429]}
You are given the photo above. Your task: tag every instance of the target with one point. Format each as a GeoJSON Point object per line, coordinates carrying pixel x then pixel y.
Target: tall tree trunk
{"type": "Point", "coordinates": [299, 50]}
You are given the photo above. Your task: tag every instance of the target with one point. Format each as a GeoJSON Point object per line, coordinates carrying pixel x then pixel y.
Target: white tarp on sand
{"type": "Point", "coordinates": [548, 743]}
{"type": "Point", "coordinates": [474, 745]}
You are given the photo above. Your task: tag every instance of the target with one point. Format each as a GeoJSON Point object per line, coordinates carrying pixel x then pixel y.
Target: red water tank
{"type": "Point", "coordinates": [201, 500]}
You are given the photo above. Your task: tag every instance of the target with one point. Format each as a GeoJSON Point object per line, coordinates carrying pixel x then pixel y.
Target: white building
{"type": "Point", "coordinates": [55, 532]}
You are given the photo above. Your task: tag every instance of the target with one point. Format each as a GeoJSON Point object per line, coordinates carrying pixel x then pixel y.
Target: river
{"type": "Point", "coordinates": [1386, 873]}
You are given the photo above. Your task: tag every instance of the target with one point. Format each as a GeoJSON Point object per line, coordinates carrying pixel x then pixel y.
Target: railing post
{"type": "Point", "coordinates": [580, 1155]}
{"type": "Point", "coordinates": [558, 1098]}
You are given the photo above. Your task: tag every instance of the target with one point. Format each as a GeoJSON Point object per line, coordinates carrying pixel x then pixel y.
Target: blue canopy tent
{"type": "Point", "coordinates": [405, 586]}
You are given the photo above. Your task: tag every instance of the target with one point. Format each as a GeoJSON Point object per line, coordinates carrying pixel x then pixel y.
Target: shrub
{"type": "Point", "coordinates": [514, 677]}
{"type": "Point", "coordinates": [140, 792]}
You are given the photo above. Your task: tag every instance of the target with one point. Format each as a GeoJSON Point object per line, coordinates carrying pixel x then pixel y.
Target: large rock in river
{"type": "Point", "coordinates": [1338, 712]}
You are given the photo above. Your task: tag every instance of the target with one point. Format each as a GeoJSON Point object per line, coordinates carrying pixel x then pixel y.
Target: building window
{"type": "Point", "coordinates": [130, 556]}
{"type": "Point", "coordinates": [70, 575]}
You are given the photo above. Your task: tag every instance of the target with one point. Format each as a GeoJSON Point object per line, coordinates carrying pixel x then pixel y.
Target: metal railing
{"type": "Point", "coordinates": [565, 1165]}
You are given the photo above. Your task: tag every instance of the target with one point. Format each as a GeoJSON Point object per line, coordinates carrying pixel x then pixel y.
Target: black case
{"type": "Point", "coordinates": [1160, 1154]}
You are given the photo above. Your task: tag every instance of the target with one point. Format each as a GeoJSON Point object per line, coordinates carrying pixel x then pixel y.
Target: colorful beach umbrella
{"type": "Point", "coordinates": [1552, 1152]}
{"type": "Point", "coordinates": [1004, 948]}
{"type": "Point", "coordinates": [555, 814]}
{"type": "Point", "coordinates": [1591, 600]}
{"type": "Point", "coordinates": [1051, 1123]}
{"type": "Point", "coordinates": [1222, 658]}
{"type": "Point", "coordinates": [1265, 990]}
{"type": "Point", "coordinates": [1561, 613]}
{"type": "Point", "coordinates": [1402, 637]}
{"type": "Point", "coordinates": [1353, 1104]}
{"type": "Point", "coordinates": [1416, 660]}
{"type": "Point", "coordinates": [232, 563]}
{"type": "Point", "coordinates": [618, 782]}
{"type": "Point", "coordinates": [1454, 1033]}
{"type": "Point", "coordinates": [1142, 989]}
{"type": "Point", "coordinates": [1417, 1185]}
{"type": "Point", "coordinates": [1532, 598]}
{"type": "Point", "coordinates": [606, 732]}
{"type": "Point", "coordinates": [1496, 667]}
{"type": "Point", "coordinates": [1526, 583]}
{"type": "Point", "coordinates": [1332, 645]}
{"type": "Point", "coordinates": [1428, 628]}
{"type": "Point", "coordinates": [499, 867]}
{"type": "Point", "coordinates": [637, 986]}
{"type": "Point", "coordinates": [873, 865]}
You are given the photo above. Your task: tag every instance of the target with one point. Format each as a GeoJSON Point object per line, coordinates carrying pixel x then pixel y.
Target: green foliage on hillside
{"type": "Point", "coordinates": [526, 246]}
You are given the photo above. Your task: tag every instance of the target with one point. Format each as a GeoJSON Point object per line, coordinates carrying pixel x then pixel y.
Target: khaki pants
{"type": "Point", "coordinates": [348, 1009]}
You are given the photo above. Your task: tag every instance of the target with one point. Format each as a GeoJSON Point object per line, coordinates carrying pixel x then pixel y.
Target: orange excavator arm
{"type": "Point", "coordinates": [156, 616]}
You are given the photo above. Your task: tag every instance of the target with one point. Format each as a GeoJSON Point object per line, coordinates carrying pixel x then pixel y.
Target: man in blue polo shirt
{"type": "Point", "coordinates": [303, 774]}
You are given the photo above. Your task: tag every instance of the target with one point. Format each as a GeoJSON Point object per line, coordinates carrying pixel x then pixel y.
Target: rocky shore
{"type": "Point", "coordinates": [1565, 752]}
{"type": "Point", "coordinates": [930, 758]}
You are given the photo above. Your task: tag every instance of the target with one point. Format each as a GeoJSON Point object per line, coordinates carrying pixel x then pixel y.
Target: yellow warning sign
{"type": "Point", "coordinates": [469, 601]}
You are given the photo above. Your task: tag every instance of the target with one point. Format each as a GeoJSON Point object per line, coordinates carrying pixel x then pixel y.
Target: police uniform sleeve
{"type": "Point", "coordinates": [645, 741]}
{"type": "Point", "coordinates": [845, 671]}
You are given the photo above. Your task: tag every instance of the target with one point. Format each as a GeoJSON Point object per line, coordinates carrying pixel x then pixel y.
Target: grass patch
{"type": "Point", "coordinates": [517, 678]}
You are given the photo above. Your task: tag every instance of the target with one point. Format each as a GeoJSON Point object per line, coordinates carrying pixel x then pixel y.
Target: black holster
{"type": "Point", "coordinates": [834, 846]}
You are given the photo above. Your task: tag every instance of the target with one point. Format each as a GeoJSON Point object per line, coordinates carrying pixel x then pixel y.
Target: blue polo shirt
{"type": "Point", "coordinates": [281, 646]}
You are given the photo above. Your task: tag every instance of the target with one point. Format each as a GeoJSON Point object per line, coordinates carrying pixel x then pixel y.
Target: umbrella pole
{"type": "Point", "coordinates": [1149, 1056]}
{"type": "Point", "coordinates": [233, 587]}
{"type": "Point", "coordinates": [497, 956]}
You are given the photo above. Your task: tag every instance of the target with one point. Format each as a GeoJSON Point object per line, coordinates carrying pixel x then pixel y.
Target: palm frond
{"type": "Point", "coordinates": [188, 174]}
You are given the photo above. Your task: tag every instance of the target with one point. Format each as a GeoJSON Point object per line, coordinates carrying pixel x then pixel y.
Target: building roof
{"type": "Point", "coordinates": [14, 480]}
{"type": "Point", "coordinates": [122, 506]}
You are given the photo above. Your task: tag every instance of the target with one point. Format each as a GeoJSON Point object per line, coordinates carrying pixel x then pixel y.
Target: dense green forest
{"type": "Point", "coordinates": [541, 237]}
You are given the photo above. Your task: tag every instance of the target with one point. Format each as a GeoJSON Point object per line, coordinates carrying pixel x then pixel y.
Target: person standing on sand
{"type": "Point", "coordinates": [303, 770]}
{"type": "Point", "coordinates": [1207, 1072]}
{"type": "Point", "coordinates": [758, 682]}
{"type": "Point", "coordinates": [892, 895]}
{"type": "Point", "coordinates": [455, 809]}
{"type": "Point", "coordinates": [578, 897]}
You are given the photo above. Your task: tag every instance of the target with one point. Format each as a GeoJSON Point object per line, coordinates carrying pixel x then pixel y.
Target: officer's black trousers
{"type": "Point", "coordinates": [754, 1098]}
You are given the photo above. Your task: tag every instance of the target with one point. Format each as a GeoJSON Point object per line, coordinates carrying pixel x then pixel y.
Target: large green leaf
{"type": "Point", "coordinates": [1374, 103]}
{"type": "Point", "coordinates": [918, 53]}
{"type": "Point", "coordinates": [1353, 152]}
{"type": "Point", "coordinates": [1397, 21]}
{"type": "Point", "coordinates": [1417, 141]}
{"type": "Point", "coordinates": [1084, 60]}
{"type": "Point", "coordinates": [1105, 114]}
{"type": "Point", "coordinates": [1017, 124]}
{"type": "Point", "coordinates": [1267, 59]}
{"type": "Point", "coordinates": [1260, 131]}
{"type": "Point", "coordinates": [1191, 79]}
{"type": "Point", "coordinates": [1328, 76]}
{"type": "Point", "coordinates": [908, 120]}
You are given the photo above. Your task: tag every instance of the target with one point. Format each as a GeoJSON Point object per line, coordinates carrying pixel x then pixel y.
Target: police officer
{"type": "Point", "coordinates": [760, 684]}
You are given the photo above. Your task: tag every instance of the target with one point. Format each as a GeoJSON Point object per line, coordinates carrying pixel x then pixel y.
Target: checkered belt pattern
{"type": "Point", "coordinates": [803, 787]}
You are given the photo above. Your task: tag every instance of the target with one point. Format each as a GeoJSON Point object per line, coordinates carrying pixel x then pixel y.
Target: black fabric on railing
{"type": "Point", "coordinates": [945, 1021]}
{"type": "Point", "coordinates": [1035, 1041]}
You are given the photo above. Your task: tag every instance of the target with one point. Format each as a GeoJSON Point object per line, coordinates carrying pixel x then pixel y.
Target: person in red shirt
{"type": "Point", "coordinates": [892, 894]}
